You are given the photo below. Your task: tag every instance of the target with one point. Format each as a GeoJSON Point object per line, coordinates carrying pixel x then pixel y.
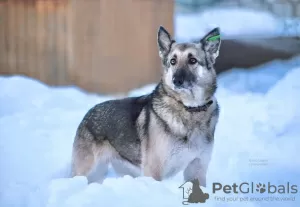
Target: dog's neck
{"type": "Point", "coordinates": [201, 108]}
{"type": "Point", "coordinates": [197, 108]}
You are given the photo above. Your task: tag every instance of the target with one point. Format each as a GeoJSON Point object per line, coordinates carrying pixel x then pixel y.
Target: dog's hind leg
{"type": "Point", "coordinates": [90, 157]}
{"type": "Point", "coordinates": [83, 157]}
{"type": "Point", "coordinates": [104, 154]}
{"type": "Point", "coordinates": [98, 173]}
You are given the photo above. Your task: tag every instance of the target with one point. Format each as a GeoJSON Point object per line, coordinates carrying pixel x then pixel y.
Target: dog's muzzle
{"type": "Point", "coordinates": [183, 78]}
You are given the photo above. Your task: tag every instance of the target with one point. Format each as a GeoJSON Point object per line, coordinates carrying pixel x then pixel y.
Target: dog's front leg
{"type": "Point", "coordinates": [196, 170]}
{"type": "Point", "coordinates": [152, 166]}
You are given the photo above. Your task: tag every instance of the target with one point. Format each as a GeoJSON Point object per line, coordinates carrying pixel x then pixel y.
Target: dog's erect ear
{"type": "Point", "coordinates": [164, 41]}
{"type": "Point", "coordinates": [211, 43]}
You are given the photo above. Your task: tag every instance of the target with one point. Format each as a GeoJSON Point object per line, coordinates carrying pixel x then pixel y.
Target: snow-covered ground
{"type": "Point", "coordinates": [257, 138]}
{"type": "Point", "coordinates": [260, 119]}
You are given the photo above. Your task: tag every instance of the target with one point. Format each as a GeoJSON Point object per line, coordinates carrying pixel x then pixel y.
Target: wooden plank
{"type": "Point", "coordinates": [82, 27]}
{"type": "Point", "coordinates": [16, 34]}
{"type": "Point", "coordinates": [26, 66]}
{"type": "Point", "coordinates": [61, 42]}
{"type": "Point", "coordinates": [51, 57]}
{"type": "Point", "coordinates": [31, 41]}
{"type": "Point", "coordinates": [69, 42]}
{"type": "Point", "coordinates": [41, 37]}
{"type": "Point", "coordinates": [20, 41]}
{"type": "Point", "coordinates": [3, 37]}
{"type": "Point", "coordinates": [11, 52]}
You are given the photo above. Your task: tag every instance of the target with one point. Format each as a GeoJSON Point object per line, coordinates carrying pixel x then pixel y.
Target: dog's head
{"type": "Point", "coordinates": [188, 67]}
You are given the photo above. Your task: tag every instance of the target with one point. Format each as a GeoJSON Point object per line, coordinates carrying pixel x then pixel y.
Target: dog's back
{"type": "Point", "coordinates": [114, 120]}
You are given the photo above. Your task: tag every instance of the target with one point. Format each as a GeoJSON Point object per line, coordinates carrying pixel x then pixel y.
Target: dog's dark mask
{"type": "Point", "coordinates": [183, 78]}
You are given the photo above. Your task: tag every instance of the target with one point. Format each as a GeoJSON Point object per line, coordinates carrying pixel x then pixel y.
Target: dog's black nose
{"type": "Point", "coordinates": [179, 77]}
{"type": "Point", "coordinates": [178, 80]}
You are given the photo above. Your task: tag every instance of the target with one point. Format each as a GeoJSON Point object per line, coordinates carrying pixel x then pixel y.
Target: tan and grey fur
{"type": "Point", "coordinates": [162, 133]}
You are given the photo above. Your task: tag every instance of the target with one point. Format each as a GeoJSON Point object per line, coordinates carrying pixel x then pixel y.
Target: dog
{"type": "Point", "coordinates": [160, 134]}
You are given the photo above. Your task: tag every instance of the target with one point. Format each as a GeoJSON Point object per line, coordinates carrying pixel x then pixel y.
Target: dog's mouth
{"type": "Point", "coordinates": [188, 90]}
{"type": "Point", "coordinates": [187, 86]}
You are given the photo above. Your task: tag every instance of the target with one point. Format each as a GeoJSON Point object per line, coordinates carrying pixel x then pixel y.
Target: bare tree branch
{"type": "Point", "coordinates": [188, 190]}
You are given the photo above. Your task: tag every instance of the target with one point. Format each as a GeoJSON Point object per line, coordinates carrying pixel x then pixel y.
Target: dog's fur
{"type": "Point", "coordinates": [164, 132]}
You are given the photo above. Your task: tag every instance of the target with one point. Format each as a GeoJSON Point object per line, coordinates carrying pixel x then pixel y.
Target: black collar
{"type": "Point", "coordinates": [198, 108]}
{"type": "Point", "coordinates": [189, 108]}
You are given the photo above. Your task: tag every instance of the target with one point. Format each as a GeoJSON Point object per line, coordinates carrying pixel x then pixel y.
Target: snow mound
{"type": "Point", "coordinates": [234, 22]}
{"type": "Point", "coordinates": [259, 123]}
{"type": "Point", "coordinates": [259, 79]}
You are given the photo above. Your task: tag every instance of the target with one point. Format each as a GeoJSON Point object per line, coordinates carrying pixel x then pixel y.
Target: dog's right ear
{"type": "Point", "coordinates": [164, 41]}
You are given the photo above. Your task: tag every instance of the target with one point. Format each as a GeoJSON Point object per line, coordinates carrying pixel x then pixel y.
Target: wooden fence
{"type": "Point", "coordinates": [99, 45]}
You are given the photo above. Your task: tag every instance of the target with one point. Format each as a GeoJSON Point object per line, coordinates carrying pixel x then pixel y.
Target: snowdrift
{"type": "Point", "coordinates": [256, 140]}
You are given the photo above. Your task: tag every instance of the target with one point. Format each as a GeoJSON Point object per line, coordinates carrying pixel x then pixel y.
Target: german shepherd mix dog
{"type": "Point", "coordinates": [162, 133]}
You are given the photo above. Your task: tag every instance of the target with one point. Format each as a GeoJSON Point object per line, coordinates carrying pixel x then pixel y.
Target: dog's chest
{"type": "Point", "coordinates": [178, 145]}
{"type": "Point", "coordinates": [183, 150]}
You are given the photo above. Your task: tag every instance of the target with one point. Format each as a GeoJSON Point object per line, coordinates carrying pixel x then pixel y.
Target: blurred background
{"type": "Point", "coordinates": [109, 46]}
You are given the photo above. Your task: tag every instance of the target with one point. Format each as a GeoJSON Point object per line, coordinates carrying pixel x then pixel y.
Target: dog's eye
{"type": "Point", "coordinates": [173, 61]}
{"type": "Point", "coordinates": [192, 61]}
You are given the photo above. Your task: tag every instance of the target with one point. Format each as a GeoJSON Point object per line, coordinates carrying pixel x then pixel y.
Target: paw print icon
{"type": "Point", "coordinates": [261, 188]}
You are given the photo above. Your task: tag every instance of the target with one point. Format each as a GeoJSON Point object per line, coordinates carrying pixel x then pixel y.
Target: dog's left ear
{"type": "Point", "coordinates": [211, 43]}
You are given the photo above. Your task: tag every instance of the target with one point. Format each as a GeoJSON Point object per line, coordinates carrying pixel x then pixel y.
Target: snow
{"type": "Point", "coordinates": [259, 119]}
{"type": "Point", "coordinates": [235, 22]}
